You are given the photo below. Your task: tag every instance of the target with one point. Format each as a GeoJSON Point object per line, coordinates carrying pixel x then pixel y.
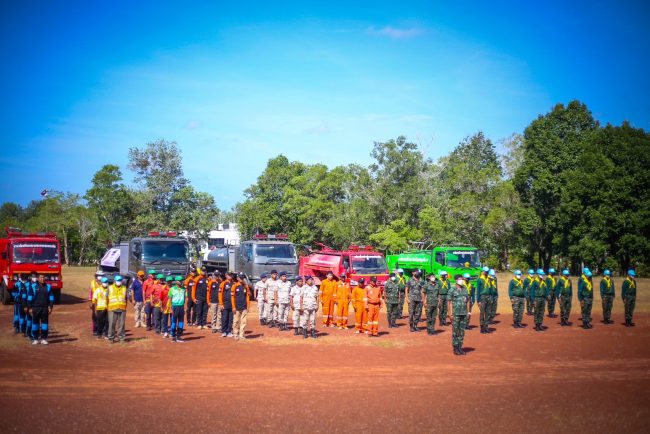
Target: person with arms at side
{"type": "Point", "coordinates": [564, 291]}
{"type": "Point", "coordinates": [342, 303]}
{"type": "Point", "coordinates": [414, 288]}
{"type": "Point", "coordinates": [136, 295]}
{"type": "Point", "coordinates": [283, 301]}
{"type": "Point", "coordinates": [100, 305]}
{"type": "Point", "coordinates": [260, 296]}
{"type": "Point", "coordinates": [528, 283]}
{"type": "Point", "coordinates": [240, 301]}
{"type": "Point", "coordinates": [607, 295]}
{"type": "Point", "coordinates": [213, 297]}
{"type": "Point", "coordinates": [156, 303]}
{"type": "Point", "coordinates": [392, 298]}
{"type": "Point", "coordinates": [431, 300]}
{"type": "Point", "coordinates": [327, 288]}
{"type": "Point", "coordinates": [552, 296]}
{"type": "Point", "coordinates": [358, 301]}
{"type": "Point", "coordinates": [458, 304]}
{"type": "Point", "coordinates": [225, 300]}
{"type": "Point", "coordinates": [628, 292]}
{"type": "Point", "coordinates": [271, 297]}
{"type": "Point", "coordinates": [586, 297]}
{"type": "Point", "coordinates": [373, 305]}
{"type": "Point", "coordinates": [309, 306]}
{"type": "Point", "coordinates": [94, 284]}
{"type": "Point", "coordinates": [539, 293]}
{"type": "Point", "coordinates": [200, 299]}
{"type": "Point", "coordinates": [444, 286]}
{"type": "Point", "coordinates": [483, 297]}
{"type": "Point", "coordinates": [177, 296]}
{"type": "Point", "coordinates": [40, 301]}
{"type": "Point", "coordinates": [166, 307]}
{"type": "Point", "coordinates": [117, 310]}
{"type": "Point", "coordinates": [147, 290]}
{"type": "Point", "coordinates": [517, 297]}
{"type": "Point", "coordinates": [471, 293]}
{"type": "Point", "coordinates": [190, 309]}
{"type": "Point", "coordinates": [295, 296]}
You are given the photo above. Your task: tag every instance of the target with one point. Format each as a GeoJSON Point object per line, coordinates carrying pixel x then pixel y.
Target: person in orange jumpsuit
{"type": "Point", "coordinates": [342, 303]}
{"type": "Point", "coordinates": [373, 304]}
{"type": "Point", "coordinates": [358, 301]}
{"type": "Point", "coordinates": [328, 289]}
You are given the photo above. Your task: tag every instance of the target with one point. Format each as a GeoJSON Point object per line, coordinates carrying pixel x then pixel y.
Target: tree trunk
{"type": "Point", "coordinates": [66, 255]}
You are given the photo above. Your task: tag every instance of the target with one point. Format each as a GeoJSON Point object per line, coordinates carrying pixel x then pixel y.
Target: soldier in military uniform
{"type": "Point", "coordinates": [392, 298]}
{"type": "Point", "coordinates": [539, 293]}
{"type": "Point", "coordinates": [564, 291]}
{"type": "Point", "coordinates": [458, 304]}
{"type": "Point", "coordinates": [494, 295]}
{"type": "Point", "coordinates": [628, 292]}
{"type": "Point", "coordinates": [414, 289]}
{"type": "Point", "coordinates": [528, 283]}
{"type": "Point", "coordinates": [431, 301]}
{"type": "Point", "coordinates": [552, 296]}
{"type": "Point", "coordinates": [444, 285]}
{"type": "Point", "coordinates": [401, 285]}
{"type": "Point", "coordinates": [471, 292]}
{"type": "Point", "coordinates": [517, 295]}
{"type": "Point", "coordinates": [586, 297]}
{"type": "Point", "coordinates": [607, 294]}
{"type": "Point", "coordinates": [483, 297]}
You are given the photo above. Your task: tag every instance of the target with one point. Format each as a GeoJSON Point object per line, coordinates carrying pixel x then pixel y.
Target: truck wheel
{"type": "Point", "coordinates": [4, 294]}
{"type": "Point", "coordinates": [57, 296]}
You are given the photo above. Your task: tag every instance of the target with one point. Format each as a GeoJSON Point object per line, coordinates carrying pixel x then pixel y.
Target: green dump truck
{"type": "Point", "coordinates": [455, 259]}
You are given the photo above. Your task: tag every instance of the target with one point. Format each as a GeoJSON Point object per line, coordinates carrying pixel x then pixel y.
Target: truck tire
{"type": "Point", "coordinates": [4, 294]}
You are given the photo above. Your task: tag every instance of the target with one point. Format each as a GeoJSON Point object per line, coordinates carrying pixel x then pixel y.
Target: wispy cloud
{"type": "Point", "coordinates": [319, 129]}
{"type": "Point", "coordinates": [396, 33]}
{"type": "Point", "coordinates": [194, 124]}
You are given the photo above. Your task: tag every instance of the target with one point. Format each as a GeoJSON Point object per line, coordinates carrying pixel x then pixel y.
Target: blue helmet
{"type": "Point", "coordinates": [485, 269]}
{"type": "Point", "coordinates": [565, 272]}
{"type": "Point", "coordinates": [540, 272]}
{"type": "Point", "coordinates": [631, 273]}
{"type": "Point", "coordinates": [551, 271]}
{"type": "Point", "coordinates": [118, 278]}
{"type": "Point", "coordinates": [517, 272]}
{"type": "Point", "coordinates": [607, 273]}
{"type": "Point", "coordinates": [466, 276]}
{"type": "Point", "coordinates": [492, 272]}
{"type": "Point", "coordinates": [263, 276]}
{"type": "Point", "coordinates": [531, 271]}
{"type": "Point", "coordinates": [587, 272]}
{"type": "Point", "coordinates": [104, 279]}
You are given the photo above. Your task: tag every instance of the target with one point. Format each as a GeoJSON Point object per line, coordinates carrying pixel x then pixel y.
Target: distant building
{"type": "Point", "coordinates": [226, 234]}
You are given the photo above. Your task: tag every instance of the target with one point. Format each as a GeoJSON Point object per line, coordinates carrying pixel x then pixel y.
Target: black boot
{"type": "Point", "coordinates": [262, 321]}
{"type": "Point", "coordinates": [271, 324]}
{"type": "Point", "coordinates": [456, 352]}
{"type": "Point", "coordinates": [483, 331]}
{"type": "Point", "coordinates": [304, 333]}
{"type": "Point", "coordinates": [295, 331]}
{"type": "Point", "coordinates": [313, 334]}
{"type": "Point", "coordinates": [460, 350]}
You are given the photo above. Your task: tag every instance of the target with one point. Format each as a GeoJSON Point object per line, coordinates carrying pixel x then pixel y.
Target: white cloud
{"type": "Point", "coordinates": [194, 124]}
{"type": "Point", "coordinates": [396, 33]}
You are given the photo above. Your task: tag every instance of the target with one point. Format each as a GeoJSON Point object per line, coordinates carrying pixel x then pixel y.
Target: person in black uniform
{"type": "Point", "coordinates": [40, 301]}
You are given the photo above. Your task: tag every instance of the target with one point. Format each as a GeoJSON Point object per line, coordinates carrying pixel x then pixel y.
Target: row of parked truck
{"type": "Point", "coordinates": [170, 254]}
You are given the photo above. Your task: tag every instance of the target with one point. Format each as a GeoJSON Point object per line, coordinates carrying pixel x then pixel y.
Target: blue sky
{"type": "Point", "coordinates": [237, 83]}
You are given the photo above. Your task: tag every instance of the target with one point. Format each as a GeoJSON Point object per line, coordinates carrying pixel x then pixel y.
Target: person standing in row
{"type": "Point", "coordinates": [117, 311]}
{"type": "Point", "coordinates": [528, 284]}
{"type": "Point", "coordinates": [282, 301]}
{"type": "Point", "coordinates": [359, 304]}
{"type": "Point", "coordinates": [177, 296]}
{"type": "Point", "coordinates": [166, 307]}
{"type": "Point", "coordinates": [100, 306]}
{"type": "Point", "coordinates": [494, 295]}
{"type": "Point", "coordinates": [309, 306]}
{"type": "Point", "coordinates": [458, 305]}
{"type": "Point", "coordinates": [271, 297]}
{"type": "Point", "coordinates": [225, 300]}
{"type": "Point", "coordinates": [240, 302]}
{"type": "Point", "coordinates": [20, 304]}
{"type": "Point", "coordinates": [156, 303]}
{"type": "Point", "coordinates": [373, 305]}
{"type": "Point", "coordinates": [471, 292]}
{"type": "Point", "coordinates": [539, 293]}
{"type": "Point", "coordinates": [586, 297]}
{"type": "Point", "coordinates": [564, 291]}
{"type": "Point", "coordinates": [200, 299]}
{"type": "Point", "coordinates": [607, 294]}
{"type": "Point", "coordinates": [445, 285]}
{"type": "Point", "coordinates": [136, 295]}
{"type": "Point", "coordinates": [260, 296]}
{"type": "Point", "coordinates": [94, 284]}
{"type": "Point", "coordinates": [392, 295]}
{"type": "Point", "coordinates": [328, 288]}
{"type": "Point", "coordinates": [213, 298]}
{"type": "Point", "coordinates": [342, 303]}
{"type": "Point", "coordinates": [40, 302]}
{"type": "Point", "coordinates": [552, 296]}
{"type": "Point", "coordinates": [628, 292]}
{"type": "Point", "coordinates": [191, 308]}
{"type": "Point", "coordinates": [483, 297]}
{"type": "Point", "coordinates": [401, 285]}
{"type": "Point", "coordinates": [414, 289]}
{"type": "Point", "coordinates": [147, 289]}
{"type": "Point", "coordinates": [517, 296]}
{"type": "Point", "coordinates": [431, 302]}
{"type": "Point", "coordinates": [295, 296]}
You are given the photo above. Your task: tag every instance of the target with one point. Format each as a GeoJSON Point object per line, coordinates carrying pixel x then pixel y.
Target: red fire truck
{"type": "Point", "coordinates": [22, 252]}
{"type": "Point", "coordinates": [356, 262]}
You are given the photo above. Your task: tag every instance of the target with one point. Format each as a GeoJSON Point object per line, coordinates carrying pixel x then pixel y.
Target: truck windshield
{"type": "Point", "coordinates": [164, 251]}
{"type": "Point", "coordinates": [369, 264]}
{"type": "Point", "coordinates": [275, 254]}
{"type": "Point", "coordinates": [463, 258]}
{"type": "Point", "coordinates": [35, 253]}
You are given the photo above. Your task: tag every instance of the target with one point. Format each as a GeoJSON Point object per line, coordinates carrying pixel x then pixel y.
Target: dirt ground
{"type": "Point", "coordinates": [563, 380]}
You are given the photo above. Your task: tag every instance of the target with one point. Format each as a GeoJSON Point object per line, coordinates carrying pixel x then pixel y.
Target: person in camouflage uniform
{"type": "Point", "coordinates": [586, 297]}
{"type": "Point", "coordinates": [414, 289]}
{"type": "Point", "coordinates": [528, 283]}
{"type": "Point", "coordinates": [392, 297]}
{"type": "Point", "coordinates": [457, 303]}
{"type": "Point", "coordinates": [431, 301]}
{"type": "Point", "coordinates": [444, 285]}
{"type": "Point", "coordinates": [607, 294]}
{"type": "Point", "coordinates": [401, 285]}
{"type": "Point", "coordinates": [516, 294]}
{"type": "Point", "coordinates": [539, 293]}
{"type": "Point", "coordinates": [471, 292]}
{"type": "Point", "coordinates": [483, 297]}
{"type": "Point", "coordinates": [494, 295]}
{"type": "Point", "coordinates": [628, 292]}
{"type": "Point", "coordinates": [552, 296]}
{"type": "Point", "coordinates": [564, 291]}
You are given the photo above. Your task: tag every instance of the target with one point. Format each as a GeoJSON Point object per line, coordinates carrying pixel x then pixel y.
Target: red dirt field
{"type": "Point", "coordinates": [562, 380]}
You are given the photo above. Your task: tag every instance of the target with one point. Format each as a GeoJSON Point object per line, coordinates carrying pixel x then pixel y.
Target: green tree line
{"type": "Point", "coordinates": [566, 192]}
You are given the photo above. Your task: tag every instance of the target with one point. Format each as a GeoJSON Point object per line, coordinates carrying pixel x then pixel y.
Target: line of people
{"type": "Point", "coordinates": [33, 304]}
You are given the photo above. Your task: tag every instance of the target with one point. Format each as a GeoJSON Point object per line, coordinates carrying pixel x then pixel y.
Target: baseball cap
{"type": "Point", "coordinates": [140, 273]}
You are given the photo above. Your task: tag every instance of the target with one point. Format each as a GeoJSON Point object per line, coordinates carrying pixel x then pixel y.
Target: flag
{"type": "Point", "coordinates": [44, 192]}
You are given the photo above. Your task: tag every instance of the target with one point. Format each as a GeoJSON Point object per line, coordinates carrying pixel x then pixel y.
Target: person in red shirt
{"type": "Point", "coordinates": [373, 305]}
{"type": "Point", "coordinates": [166, 306]}
{"type": "Point", "coordinates": [147, 290]}
{"type": "Point", "coordinates": [191, 308]}
{"type": "Point", "coordinates": [156, 302]}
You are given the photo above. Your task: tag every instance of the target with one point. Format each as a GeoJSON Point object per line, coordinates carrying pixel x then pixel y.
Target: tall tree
{"type": "Point", "coordinates": [111, 202]}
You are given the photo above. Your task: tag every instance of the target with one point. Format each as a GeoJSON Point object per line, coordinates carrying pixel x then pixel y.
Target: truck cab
{"type": "Point", "coordinates": [164, 252]}
{"type": "Point", "coordinates": [355, 262]}
{"type": "Point", "coordinates": [456, 260]}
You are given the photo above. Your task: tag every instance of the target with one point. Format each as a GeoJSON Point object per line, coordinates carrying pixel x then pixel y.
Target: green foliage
{"type": "Point", "coordinates": [395, 237]}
